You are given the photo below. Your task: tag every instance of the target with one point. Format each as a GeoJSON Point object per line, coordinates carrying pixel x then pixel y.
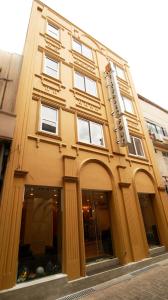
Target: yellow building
{"type": "Point", "coordinates": [81, 181]}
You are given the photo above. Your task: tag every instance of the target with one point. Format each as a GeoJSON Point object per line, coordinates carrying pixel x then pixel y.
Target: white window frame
{"type": "Point", "coordinates": [82, 49]}
{"type": "Point", "coordinates": [124, 98]}
{"type": "Point", "coordinates": [41, 120]}
{"type": "Point", "coordinates": [52, 34]}
{"type": "Point", "coordinates": [55, 70]}
{"type": "Point", "coordinates": [90, 133]}
{"type": "Point", "coordinates": [117, 68]}
{"type": "Point", "coordinates": [136, 153]}
{"type": "Point", "coordinates": [85, 85]}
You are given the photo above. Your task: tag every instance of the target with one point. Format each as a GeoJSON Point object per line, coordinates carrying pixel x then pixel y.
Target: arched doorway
{"type": "Point", "coordinates": [147, 200]}
{"type": "Point", "coordinates": [96, 191]}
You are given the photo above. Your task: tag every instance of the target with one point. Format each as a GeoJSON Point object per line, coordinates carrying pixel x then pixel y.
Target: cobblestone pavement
{"type": "Point", "coordinates": [147, 284]}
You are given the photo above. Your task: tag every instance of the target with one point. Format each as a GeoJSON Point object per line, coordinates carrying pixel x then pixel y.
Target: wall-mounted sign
{"type": "Point", "coordinates": [122, 132]}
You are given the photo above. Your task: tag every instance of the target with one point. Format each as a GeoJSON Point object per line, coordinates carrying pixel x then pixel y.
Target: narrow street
{"type": "Point", "coordinates": [150, 283]}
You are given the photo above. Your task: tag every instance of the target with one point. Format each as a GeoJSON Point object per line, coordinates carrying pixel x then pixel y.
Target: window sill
{"type": "Point", "coordinates": [50, 135]}
{"type": "Point", "coordinates": [93, 146]}
{"type": "Point", "coordinates": [51, 78]}
{"type": "Point", "coordinates": [85, 93]}
{"type": "Point", "coordinates": [138, 157]}
{"type": "Point", "coordinates": [89, 60]}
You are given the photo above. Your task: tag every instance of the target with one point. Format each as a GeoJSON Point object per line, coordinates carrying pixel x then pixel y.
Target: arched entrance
{"type": "Point", "coordinates": [147, 200]}
{"type": "Point", "coordinates": [96, 191]}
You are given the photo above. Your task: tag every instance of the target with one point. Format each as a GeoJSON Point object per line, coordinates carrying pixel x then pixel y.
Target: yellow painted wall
{"type": "Point", "coordinates": [61, 161]}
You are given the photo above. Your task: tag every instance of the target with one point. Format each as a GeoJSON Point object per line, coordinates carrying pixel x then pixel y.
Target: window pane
{"type": "Point", "coordinates": [49, 119]}
{"type": "Point", "coordinates": [159, 129]}
{"type": "Point", "coordinates": [83, 131]}
{"type": "Point", "coordinates": [96, 134]}
{"type": "Point", "coordinates": [128, 105]}
{"type": "Point", "coordinates": [90, 86]}
{"type": "Point", "coordinates": [53, 31]}
{"type": "Point", "coordinates": [51, 67]}
{"type": "Point", "coordinates": [120, 72]}
{"type": "Point", "coordinates": [131, 147]}
{"type": "Point", "coordinates": [86, 51]}
{"type": "Point", "coordinates": [139, 148]}
{"type": "Point", "coordinates": [79, 81]}
{"type": "Point", "coordinates": [76, 46]}
{"type": "Point", "coordinates": [151, 127]}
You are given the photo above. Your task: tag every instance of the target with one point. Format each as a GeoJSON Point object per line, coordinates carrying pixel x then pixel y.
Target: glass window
{"type": "Point", "coordinates": [79, 81]}
{"type": "Point", "coordinates": [153, 128]}
{"type": "Point", "coordinates": [96, 134]}
{"type": "Point", "coordinates": [40, 241]}
{"type": "Point", "coordinates": [83, 131]}
{"type": "Point", "coordinates": [77, 46]}
{"type": "Point", "coordinates": [136, 148]}
{"type": "Point", "coordinates": [49, 119]}
{"type": "Point", "coordinates": [131, 147]}
{"type": "Point", "coordinates": [86, 51]}
{"type": "Point", "coordinates": [82, 49]}
{"type": "Point", "coordinates": [128, 105]}
{"type": "Point", "coordinates": [86, 84]}
{"type": "Point", "coordinates": [53, 31]}
{"type": "Point", "coordinates": [90, 86]}
{"type": "Point", "coordinates": [120, 72]}
{"type": "Point", "coordinates": [51, 67]}
{"type": "Point", "coordinates": [90, 132]}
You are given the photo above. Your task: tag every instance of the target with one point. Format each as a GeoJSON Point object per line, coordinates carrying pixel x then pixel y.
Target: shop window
{"type": "Point", "coordinates": [128, 106]}
{"type": "Point", "coordinates": [53, 31]}
{"type": "Point", "coordinates": [136, 147]}
{"type": "Point", "coordinates": [82, 49]}
{"type": "Point", "coordinates": [40, 234]}
{"type": "Point", "coordinates": [90, 132]}
{"type": "Point", "coordinates": [85, 84]}
{"type": "Point", "coordinates": [51, 67]}
{"type": "Point", "coordinates": [120, 72]}
{"type": "Point", "coordinates": [49, 119]}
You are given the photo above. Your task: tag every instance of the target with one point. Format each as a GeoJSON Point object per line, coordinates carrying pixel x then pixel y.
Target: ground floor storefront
{"type": "Point", "coordinates": [86, 220]}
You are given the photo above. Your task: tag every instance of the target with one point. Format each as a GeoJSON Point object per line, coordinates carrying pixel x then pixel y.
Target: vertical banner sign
{"type": "Point", "coordinates": [121, 126]}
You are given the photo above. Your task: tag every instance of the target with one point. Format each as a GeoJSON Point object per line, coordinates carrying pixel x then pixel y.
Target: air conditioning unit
{"type": "Point", "coordinates": [158, 137]}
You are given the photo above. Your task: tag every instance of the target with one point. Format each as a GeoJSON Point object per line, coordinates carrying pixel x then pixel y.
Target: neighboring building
{"type": "Point", "coordinates": [157, 123]}
{"type": "Point", "coordinates": [10, 65]}
{"type": "Point", "coordinates": [75, 191]}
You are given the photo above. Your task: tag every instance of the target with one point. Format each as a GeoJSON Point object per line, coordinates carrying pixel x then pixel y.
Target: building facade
{"type": "Point", "coordinates": [10, 65]}
{"type": "Point", "coordinates": [74, 191]}
{"type": "Point", "coordinates": [156, 119]}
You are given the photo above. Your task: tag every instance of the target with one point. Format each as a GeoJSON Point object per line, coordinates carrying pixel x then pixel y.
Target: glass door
{"type": "Point", "coordinates": [146, 204]}
{"type": "Point", "coordinates": [97, 225]}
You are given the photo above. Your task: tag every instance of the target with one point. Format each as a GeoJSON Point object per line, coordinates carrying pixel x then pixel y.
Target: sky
{"type": "Point", "coordinates": [137, 30]}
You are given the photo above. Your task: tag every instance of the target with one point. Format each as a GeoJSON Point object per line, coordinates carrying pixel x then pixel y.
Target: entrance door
{"type": "Point", "coordinates": [97, 225]}
{"type": "Point", "coordinates": [146, 203]}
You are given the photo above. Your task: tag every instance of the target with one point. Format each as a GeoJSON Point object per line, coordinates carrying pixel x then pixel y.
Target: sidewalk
{"type": "Point", "coordinates": [150, 283]}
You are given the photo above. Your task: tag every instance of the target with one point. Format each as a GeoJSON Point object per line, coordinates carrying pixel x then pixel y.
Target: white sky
{"type": "Point", "coordinates": [135, 29]}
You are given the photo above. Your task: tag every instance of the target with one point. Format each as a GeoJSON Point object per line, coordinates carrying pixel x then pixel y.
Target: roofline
{"type": "Point", "coordinates": [43, 4]}
{"type": "Point", "coordinates": [152, 103]}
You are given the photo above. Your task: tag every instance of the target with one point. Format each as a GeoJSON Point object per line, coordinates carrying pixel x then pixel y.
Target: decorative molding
{"type": "Point", "coordinates": [161, 188]}
{"type": "Point", "coordinates": [20, 173]}
{"type": "Point", "coordinates": [124, 184]}
{"type": "Point", "coordinates": [69, 157]}
{"type": "Point", "coordinates": [70, 179]}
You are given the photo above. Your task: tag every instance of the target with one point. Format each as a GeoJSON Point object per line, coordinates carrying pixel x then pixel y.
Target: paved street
{"type": "Point", "coordinates": [149, 284]}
